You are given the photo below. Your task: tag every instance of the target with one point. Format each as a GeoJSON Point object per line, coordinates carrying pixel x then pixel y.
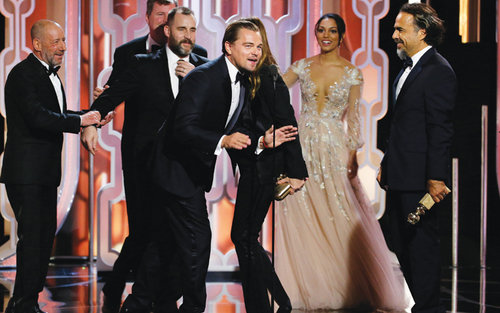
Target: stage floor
{"type": "Point", "coordinates": [77, 289]}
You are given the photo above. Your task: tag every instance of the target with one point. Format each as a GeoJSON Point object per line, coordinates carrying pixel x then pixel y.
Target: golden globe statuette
{"type": "Point", "coordinates": [425, 204]}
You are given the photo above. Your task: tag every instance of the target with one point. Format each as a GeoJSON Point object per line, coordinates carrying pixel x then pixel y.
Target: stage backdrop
{"type": "Point", "coordinates": [94, 186]}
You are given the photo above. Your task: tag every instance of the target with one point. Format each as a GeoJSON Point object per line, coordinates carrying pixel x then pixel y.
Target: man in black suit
{"type": "Point", "coordinates": [149, 87]}
{"type": "Point", "coordinates": [258, 173]}
{"type": "Point", "coordinates": [137, 212]}
{"type": "Point", "coordinates": [204, 123]}
{"type": "Point", "coordinates": [31, 171]}
{"type": "Point", "coordinates": [417, 159]}
{"type": "Point", "coordinates": [156, 17]}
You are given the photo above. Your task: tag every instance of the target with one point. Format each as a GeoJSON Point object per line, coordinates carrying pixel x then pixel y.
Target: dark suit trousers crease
{"type": "Point", "coordinates": [257, 273]}
{"type": "Point", "coordinates": [35, 208]}
{"type": "Point", "coordinates": [417, 248]}
{"type": "Point", "coordinates": [158, 278]}
{"type": "Point", "coordinates": [188, 220]}
{"type": "Point", "coordinates": [139, 210]}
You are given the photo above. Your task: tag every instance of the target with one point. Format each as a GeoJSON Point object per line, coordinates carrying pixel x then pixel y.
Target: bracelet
{"type": "Point", "coordinates": [264, 143]}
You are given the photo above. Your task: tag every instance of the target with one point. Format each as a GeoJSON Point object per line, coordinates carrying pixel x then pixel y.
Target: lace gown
{"type": "Point", "coordinates": [330, 251]}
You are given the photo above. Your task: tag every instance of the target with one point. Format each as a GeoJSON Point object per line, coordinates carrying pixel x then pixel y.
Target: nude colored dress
{"type": "Point", "coordinates": [330, 250]}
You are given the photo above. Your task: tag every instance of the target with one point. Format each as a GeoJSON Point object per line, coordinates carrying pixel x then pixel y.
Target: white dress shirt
{"type": "Point", "coordinates": [149, 43]}
{"type": "Point", "coordinates": [415, 58]}
{"type": "Point", "coordinates": [56, 83]}
{"type": "Point", "coordinates": [235, 98]}
{"type": "Point", "coordinates": [172, 60]}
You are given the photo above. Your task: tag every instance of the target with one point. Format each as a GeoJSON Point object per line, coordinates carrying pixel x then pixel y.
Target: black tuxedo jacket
{"type": "Point", "coordinates": [271, 105]}
{"type": "Point", "coordinates": [421, 127]}
{"type": "Point", "coordinates": [146, 88]}
{"type": "Point", "coordinates": [194, 130]}
{"type": "Point", "coordinates": [125, 53]}
{"type": "Point", "coordinates": [35, 126]}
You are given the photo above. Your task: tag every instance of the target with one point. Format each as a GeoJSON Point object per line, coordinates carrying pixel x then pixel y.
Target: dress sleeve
{"type": "Point", "coordinates": [354, 139]}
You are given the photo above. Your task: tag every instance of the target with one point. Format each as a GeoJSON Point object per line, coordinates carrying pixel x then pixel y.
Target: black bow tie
{"type": "Point", "coordinates": [53, 70]}
{"type": "Point", "coordinates": [155, 48]}
{"type": "Point", "coordinates": [240, 78]}
{"type": "Point", "coordinates": [408, 63]}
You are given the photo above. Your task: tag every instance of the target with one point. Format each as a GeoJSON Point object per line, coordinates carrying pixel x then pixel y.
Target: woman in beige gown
{"type": "Point", "coordinates": [330, 250]}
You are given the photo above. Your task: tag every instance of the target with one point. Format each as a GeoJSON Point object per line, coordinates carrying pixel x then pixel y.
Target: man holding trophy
{"type": "Point", "coordinates": [417, 157]}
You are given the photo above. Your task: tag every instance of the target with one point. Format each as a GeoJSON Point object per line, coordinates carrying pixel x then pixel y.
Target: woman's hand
{"type": "Point", "coordinates": [352, 165]}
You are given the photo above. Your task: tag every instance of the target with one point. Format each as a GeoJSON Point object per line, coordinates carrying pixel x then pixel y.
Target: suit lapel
{"type": "Point", "coordinates": [417, 68]}
{"type": "Point", "coordinates": [162, 54]}
{"type": "Point", "coordinates": [44, 78]}
{"type": "Point", "coordinates": [395, 86]}
{"type": "Point", "coordinates": [226, 83]}
{"type": "Point", "coordinates": [65, 108]}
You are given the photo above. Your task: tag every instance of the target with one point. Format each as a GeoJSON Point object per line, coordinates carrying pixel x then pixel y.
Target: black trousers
{"type": "Point", "coordinates": [187, 218]}
{"type": "Point", "coordinates": [35, 208]}
{"type": "Point", "coordinates": [139, 212]}
{"type": "Point", "coordinates": [417, 248]}
{"type": "Point", "coordinates": [257, 273]}
{"type": "Point", "coordinates": [158, 280]}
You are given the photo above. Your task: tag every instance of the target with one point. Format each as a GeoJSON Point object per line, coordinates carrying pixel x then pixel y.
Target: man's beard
{"type": "Point", "coordinates": [402, 54]}
{"type": "Point", "coordinates": [179, 50]}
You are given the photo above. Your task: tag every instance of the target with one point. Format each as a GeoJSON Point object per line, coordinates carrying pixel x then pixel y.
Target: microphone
{"type": "Point", "coordinates": [273, 69]}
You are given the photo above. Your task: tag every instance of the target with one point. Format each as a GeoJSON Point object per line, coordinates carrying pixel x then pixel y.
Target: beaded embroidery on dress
{"type": "Point", "coordinates": [330, 250]}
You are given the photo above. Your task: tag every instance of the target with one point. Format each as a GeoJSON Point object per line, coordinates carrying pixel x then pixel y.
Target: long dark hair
{"type": "Point", "coordinates": [266, 59]}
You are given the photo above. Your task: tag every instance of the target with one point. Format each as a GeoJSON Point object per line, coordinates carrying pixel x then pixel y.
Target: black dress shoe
{"type": "Point", "coordinates": [284, 309]}
{"type": "Point", "coordinates": [33, 308]}
{"type": "Point", "coordinates": [134, 305]}
{"type": "Point", "coordinates": [111, 304]}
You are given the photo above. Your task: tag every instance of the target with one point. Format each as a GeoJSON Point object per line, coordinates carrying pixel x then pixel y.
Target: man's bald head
{"type": "Point", "coordinates": [39, 29]}
{"type": "Point", "coordinates": [49, 42]}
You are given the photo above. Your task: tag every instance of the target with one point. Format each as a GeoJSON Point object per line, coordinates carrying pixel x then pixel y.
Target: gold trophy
{"type": "Point", "coordinates": [281, 190]}
{"type": "Point", "coordinates": [425, 204]}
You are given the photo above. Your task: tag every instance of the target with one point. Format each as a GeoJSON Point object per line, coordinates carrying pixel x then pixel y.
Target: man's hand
{"type": "Point", "coordinates": [89, 139]}
{"type": "Point", "coordinates": [99, 90]}
{"type": "Point", "coordinates": [236, 141]}
{"type": "Point", "coordinates": [90, 118]}
{"type": "Point", "coordinates": [437, 189]}
{"type": "Point", "coordinates": [283, 134]}
{"type": "Point", "coordinates": [352, 165]}
{"type": "Point", "coordinates": [183, 68]}
{"type": "Point", "coordinates": [108, 118]}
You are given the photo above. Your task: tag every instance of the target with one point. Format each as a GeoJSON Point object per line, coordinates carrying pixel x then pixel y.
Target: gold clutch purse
{"type": "Point", "coordinates": [282, 190]}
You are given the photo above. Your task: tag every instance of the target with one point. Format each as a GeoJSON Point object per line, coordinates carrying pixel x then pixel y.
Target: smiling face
{"type": "Point", "coordinates": [246, 51]}
{"type": "Point", "coordinates": [408, 38]}
{"type": "Point", "coordinates": [327, 35]}
{"type": "Point", "coordinates": [50, 45]}
{"type": "Point", "coordinates": [181, 33]}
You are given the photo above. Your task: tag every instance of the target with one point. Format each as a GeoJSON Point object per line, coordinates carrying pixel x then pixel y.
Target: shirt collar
{"type": "Point", "coordinates": [233, 70]}
{"type": "Point", "coordinates": [150, 42]}
{"type": "Point", "coordinates": [43, 63]}
{"type": "Point", "coordinates": [173, 58]}
{"type": "Point", "coordinates": [416, 57]}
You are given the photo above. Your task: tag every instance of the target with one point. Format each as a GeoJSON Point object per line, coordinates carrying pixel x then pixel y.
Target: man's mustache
{"type": "Point", "coordinates": [186, 41]}
{"type": "Point", "coordinates": [398, 41]}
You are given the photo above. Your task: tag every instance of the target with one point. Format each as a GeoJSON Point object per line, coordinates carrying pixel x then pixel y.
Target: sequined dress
{"type": "Point", "coordinates": [330, 250]}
